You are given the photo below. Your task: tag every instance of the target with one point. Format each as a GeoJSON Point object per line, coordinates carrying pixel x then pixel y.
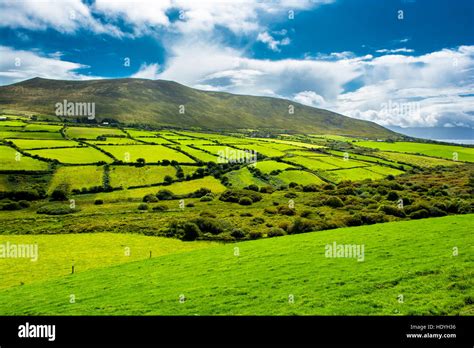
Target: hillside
{"type": "Point", "coordinates": [157, 102]}
{"type": "Point", "coordinates": [412, 259]}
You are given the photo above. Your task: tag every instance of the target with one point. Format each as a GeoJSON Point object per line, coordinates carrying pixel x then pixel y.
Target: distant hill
{"type": "Point", "coordinates": [157, 103]}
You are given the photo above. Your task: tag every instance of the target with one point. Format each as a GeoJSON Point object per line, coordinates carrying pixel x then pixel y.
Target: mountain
{"type": "Point", "coordinates": [157, 103]}
{"type": "Point", "coordinates": [437, 133]}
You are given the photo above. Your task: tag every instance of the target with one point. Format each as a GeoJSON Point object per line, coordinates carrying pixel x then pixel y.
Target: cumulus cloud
{"type": "Point", "coordinates": [271, 42]}
{"type": "Point", "coordinates": [19, 65]}
{"type": "Point", "coordinates": [148, 71]}
{"type": "Point", "coordinates": [396, 50]}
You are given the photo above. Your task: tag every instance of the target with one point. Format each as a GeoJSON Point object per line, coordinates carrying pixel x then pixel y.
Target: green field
{"type": "Point", "coordinates": [269, 166]}
{"type": "Point", "coordinates": [356, 174]}
{"type": "Point", "coordinates": [77, 177]}
{"type": "Point", "coordinates": [38, 144]}
{"type": "Point", "coordinates": [416, 160]}
{"type": "Point", "coordinates": [151, 153]}
{"type": "Point", "coordinates": [114, 141]}
{"type": "Point", "coordinates": [300, 177]}
{"type": "Point", "coordinates": [30, 135]}
{"type": "Point", "coordinates": [242, 178]}
{"type": "Point", "coordinates": [413, 259]}
{"type": "Point", "coordinates": [200, 155]}
{"type": "Point", "coordinates": [445, 151]}
{"type": "Point", "coordinates": [126, 176]}
{"type": "Point", "coordinates": [92, 133]}
{"type": "Point", "coordinates": [312, 163]}
{"type": "Point", "coordinates": [43, 127]}
{"type": "Point", "coordinates": [10, 159]}
{"type": "Point", "coordinates": [73, 155]}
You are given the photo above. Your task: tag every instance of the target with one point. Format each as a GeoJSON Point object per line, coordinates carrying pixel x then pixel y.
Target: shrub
{"type": "Point", "coordinates": [311, 188]}
{"type": "Point", "coordinates": [206, 198]}
{"type": "Point", "coordinates": [285, 210]}
{"type": "Point", "coordinates": [419, 214]}
{"type": "Point", "coordinates": [238, 233]}
{"type": "Point", "coordinates": [164, 195]}
{"type": "Point", "coordinates": [190, 231]}
{"type": "Point", "coordinates": [373, 218]}
{"type": "Point", "coordinates": [292, 184]}
{"type": "Point", "coordinates": [11, 206]}
{"type": "Point", "coordinates": [354, 220]}
{"type": "Point", "coordinates": [301, 225]}
{"type": "Point", "coordinates": [392, 196]}
{"type": "Point", "coordinates": [334, 202]}
{"type": "Point", "coordinates": [246, 214]}
{"type": "Point", "coordinates": [59, 194]}
{"type": "Point", "coordinates": [270, 211]}
{"type": "Point", "coordinates": [190, 205]}
{"type": "Point", "coordinates": [208, 214]}
{"type": "Point", "coordinates": [150, 198]}
{"type": "Point", "coordinates": [257, 221]}
{"type": "Point", "coordinates": [168, 180]}
{"type": "Point", "coordinates": [98, 202]}
{"type": "Point", "coordinates": [201, 193]}
{"type": "Point", "coordinates": [55, 210]}
{"type": "Point", "coordinates": [276, 232]}
{"type": "Point", "coordinates": [209, 225]}
{"type": "Point", "coordinates": [143, 206]}
{"type": "Point", "coordinates": [252, 187]}
{"type": "Point", "coordinates": [255, 234]}
{"type": "Point", "coordinates": [306, 213]}
{"type": "Point", "coordinates": [266, 189]}
{"type": "Point", "coordinates": [24, 204]}
{"type": "Point", "coordinates": [160, 207]}
{"type": "Point", "coordinates": [391, 210]}
{"type": "Point", "coordinates": [234, 196]}
{"type": "Point", "coordinates": [291, 195]}
{"type": "Point", "coordinates": [245, 201]}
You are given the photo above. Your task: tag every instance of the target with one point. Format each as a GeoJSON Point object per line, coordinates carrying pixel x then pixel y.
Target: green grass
{"type": "Point", "coordinates": [86, 251]}
{"type": "Point", "coordinates": [43, 127]}
{"type": "Point", "coordinates": [151, 153]}
{"type": "Point", "coordinates": [73, 155]}
{"type": "Point", "coordinates": [312, 163]}
{"type": "Point", "coordinates": [126, 176]}
{"type": "Point", "coordinates": [365, 158]}
{"type": "Point", "coordinates": [269, 166]}
{"type": "Point", "coordinates": [178, 188]}
{"type": "Point", "coordinates": [36, 144]}
{"type": "Point", "coordinates": [357, 174]}
{"type": "Point", "coordinates": [91, 132]}
{"type": "Point", "coordinates": [77, 177]}
{"type": "Point", "coordinates": [293, 143]}
{"type": "Point", "coordinates": [200, 155]}
{"type": "Point", "coordinates": [31, 135]}
{"type": "Point", "coordinates": [413, 258]}
{"type": "Point", "coordinates": [114, 141]}
{"type": "Point", "coordinates": [154, 140]}
{"type": "Point", "coordinates": [300, 177]}
{"type": "Point", "coordinates": [242, 178]}
{"type": "Point", "coordinates": [10, 159]}
{"type": "Point", "coordinates": [264, 149]}
{"type": "Point", "coordinates": [421, 161]}
{"type": "Point", "coordinates": [445, 151]}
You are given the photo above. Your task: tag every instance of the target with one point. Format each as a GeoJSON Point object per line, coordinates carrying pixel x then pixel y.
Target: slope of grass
{"type": "Point", "coordinates": [11, 160]}
{"type": "Point", "coordinates": [126, 176]}
{"type": "Point", "coordinates": [77, 177]}
{"type": "Point", "coordinates": [57, 254]}
{"type": "Point", "coordinates": [151, 153]}
{"type": "Point", "coordinates": [413, 259]}
{"type": "Point", "coordinates": [73, 155]}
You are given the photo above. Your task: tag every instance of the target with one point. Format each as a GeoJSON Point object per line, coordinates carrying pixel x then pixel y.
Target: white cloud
{"type": "Point", "coordinates": [18, 65]}
{"type": "Point", "coordinates": [396, 50]}
{"type": "Point", "coordinates": [310, 98]}
{"type": "Point", "coordinates": [271, 42]}
{"type": "Point", "coordinates": [148, 71]}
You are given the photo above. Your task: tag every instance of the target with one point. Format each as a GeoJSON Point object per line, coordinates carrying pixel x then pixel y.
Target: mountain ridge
{"type": "Point", "coordinates": [168, 103]}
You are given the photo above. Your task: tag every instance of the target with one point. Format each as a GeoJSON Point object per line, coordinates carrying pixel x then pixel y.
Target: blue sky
{"type": "Point", "coordinates": [400, 62]}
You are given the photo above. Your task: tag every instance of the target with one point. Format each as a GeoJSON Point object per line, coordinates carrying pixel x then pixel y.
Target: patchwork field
{"type": "Point", "coordinates": [77, 177]}
{"type": "Point", "coordinates": [10, 159]}
{"type": "Point", "coordinates": [27, 144]}
{"type": "Point", "coordinates": [126, 176]}
{"type": "Point", "coordinates": [92, 133]}
{"type": "Point", "coordinates": [151, 153]}
{"type": "Point", "coordinates": [435, 150]}
{"type": "Point", "coordinates": [30, 135]}
{"type": "Point", "coordinates": [73, 155]}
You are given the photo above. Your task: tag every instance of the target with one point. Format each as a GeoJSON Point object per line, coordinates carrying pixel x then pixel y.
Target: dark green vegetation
{"type": "Point", "coordinates": [414, 261]}
{"type": "Point", "coordinates": [156, 103]}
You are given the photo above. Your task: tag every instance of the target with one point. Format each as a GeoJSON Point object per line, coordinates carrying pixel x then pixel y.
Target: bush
{"type": "Point", "coordinates": [246, 214]}
{"type": "Point", "coordinates": [285, 210]}
{"type": "Point", "coordinates": [245, 201]}
{"type": "Point", "coordinates": [164, 195]}
{"type": "Point", "coordinates": [306, 213]}
{"type": "Point", "coordinates": [392, 196]}
{"type": "Point", "coordinates": [257, 220]}
{"type": "Point", "coordinates": [11, 206]}
{"type": "Point", "coordinates": [266, 189]}
{"type": "Point", "coordinates": [419, 214]}
{"type": "Point", "coordinates": [391, 210]}
{"type": "Point", "coordinates": [190, 205]}
{"type": "Point", "coordinates": [291, 195]}
{"type": "Point", "coordinates": [255, 234]}
{"type": "Point", "coordinates": [209, 225]}
{"type": "Point", "coordinates": [190, 231]}
{"type": "Point", "coordinates": [301, 225]}
{"type": "Point", "coordinates": [143, 206]}
{"type": "Point", "coordinates": [206, 198]}
{"type": "Point", "coordinates": [59, 194]}
{"type": "Point", "coordinates": [150, 198]}
{"type": "Point", "coordinates": [252, 187]}
{"type": "Point", "coordinates": [311, 188]}
{"type": "Point", "coordinates": [334, 202]}
{"type": "Point", "coordinates": [98, 202]}
{"type": "Point", "coordinates": [238, 233]}
{"type": "Point", "coordinates": [168, 180]}
{"type": "Point", "coordinates": [160, 207]}
{"type": "Point", "coordinates": [276, 232]}
{"type": "Point", "coordinates": [234, 196]}
{"type": "Point", "coordinates": [354, 220]}
{"type": "Point", "coordinates": [201, 193]}
{"type": "Point", "coordinates": [270, 211]}
{"type": "Point", "coordinates": [55, 210]}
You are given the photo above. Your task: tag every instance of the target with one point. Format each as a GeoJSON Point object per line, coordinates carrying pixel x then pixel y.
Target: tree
{"type": "Point", "coordinates": [168, 180]}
